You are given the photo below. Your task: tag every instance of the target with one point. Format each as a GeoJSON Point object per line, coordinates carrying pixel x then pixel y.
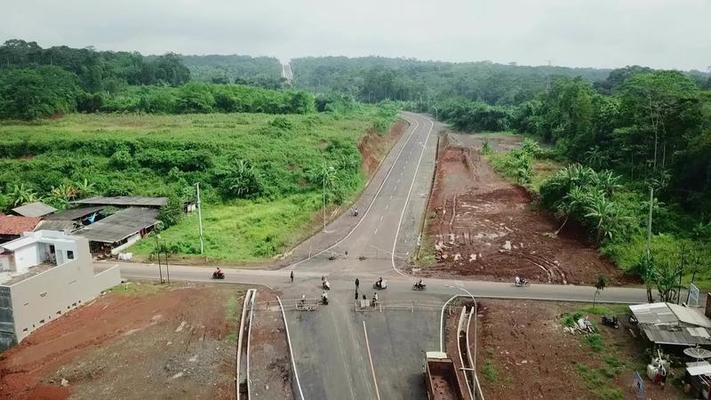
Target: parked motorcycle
{"type": "Point", "coordinates": [610, 321]}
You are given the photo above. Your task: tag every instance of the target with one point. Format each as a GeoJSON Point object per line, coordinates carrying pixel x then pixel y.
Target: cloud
{"type": "Point", "coordinates": [602, 33]}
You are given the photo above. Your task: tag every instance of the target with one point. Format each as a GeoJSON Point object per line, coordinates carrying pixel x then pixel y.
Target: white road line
{"type": "Point", "coordinates": [381, 218]}
{"type": "Point", "coordinates": [407, 201]}
{"type": "Point", "coordinates": [291, 350]}
{"type": "Point", "coordinates": [375, 197]}
{"type": "Point", "coordinates": [370, 358]}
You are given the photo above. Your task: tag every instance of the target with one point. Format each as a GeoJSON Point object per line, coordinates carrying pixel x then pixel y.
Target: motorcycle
{"type": "Point", "coordinates": [324, 299]}
{"type": "Point", "coordinates": [521, 283]}
{"type": "Point", "coordinates": [610, 321]}
{"type": "Point", "coordinates": [218, 275]}
{"type": "Point", "coordinates": [419, 286]}
{"type": "Point", "coordinates": [380, 285]}
{"type": "Point", "coordinates": [326, 285]}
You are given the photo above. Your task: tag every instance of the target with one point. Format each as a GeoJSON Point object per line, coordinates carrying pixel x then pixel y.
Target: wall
{"type": "Point", "coordinates": [39, 299]}
{"type": "Point", "coordinates": [7, 323]}
{"type": "Point", "coordinates": [26, 257]}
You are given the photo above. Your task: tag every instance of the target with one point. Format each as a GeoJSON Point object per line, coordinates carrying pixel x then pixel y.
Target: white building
{"type": "Point", "coordinates": [43, 275]}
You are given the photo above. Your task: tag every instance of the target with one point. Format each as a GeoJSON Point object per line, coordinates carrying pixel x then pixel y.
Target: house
{"type": "Point", "coordinates": [71, 220]}
{"type": "Point", "coordinates": [43, 275]}
{"type": "Point", "coordinates": [13, 226]}
{"type": "Point", "coordinates": [36, 209]}
{"type": "Point", "coordinates": [670, 324]}
{"type": "Point", "coordinates": [120, 230]}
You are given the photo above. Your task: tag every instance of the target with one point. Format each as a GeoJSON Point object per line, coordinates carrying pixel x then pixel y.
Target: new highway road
{"type": "Point", "coordinates": [342, 351]}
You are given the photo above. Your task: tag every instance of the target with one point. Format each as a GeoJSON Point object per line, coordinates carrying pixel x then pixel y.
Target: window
{"type": "Point", "coordinates": [70, 254]}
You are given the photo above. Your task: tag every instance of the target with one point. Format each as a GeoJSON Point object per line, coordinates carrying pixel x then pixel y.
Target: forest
{"type": "Point", "coordinates": [39, 83]}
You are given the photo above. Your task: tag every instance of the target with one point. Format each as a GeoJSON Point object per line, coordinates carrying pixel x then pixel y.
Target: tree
{"type": "Point", "coordinates": [172, 212]}
{"type": "Point", "coordinates": [37, 92]}
{"type": "Point", "coordinates": [604, 215]}
{"type": "Point", "coordinates": [600, 285]}
{"type": "Point", "coordinates": [21, 194]}
{"type": "Point", "coordinates": [240, 180]}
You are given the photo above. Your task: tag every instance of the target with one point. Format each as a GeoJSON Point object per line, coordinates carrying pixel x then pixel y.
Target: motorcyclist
{"type": "Point", "coordinates": [420, 284]}
{"type": "Point", "coordinates": [380, 282]}
{"type": "Point", "coordinates": [218, 273]}
{"type": "Point", "coordinates": [355, 212]}
{"type": "Point", "coordinates": [324, 297]}
{"type": "Point", "coordinates": [517, 281]}
{"type": "Point", "coordinates": [326, 285]}
{"type": "Point", "coordinates": [375, 299]}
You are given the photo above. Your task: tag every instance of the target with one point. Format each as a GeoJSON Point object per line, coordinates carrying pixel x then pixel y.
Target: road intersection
{"type": "Point", "coordinates": [333, 357]}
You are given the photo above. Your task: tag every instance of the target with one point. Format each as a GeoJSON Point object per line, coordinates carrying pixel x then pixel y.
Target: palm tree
{"type": "Point", "coordinates": [604, 214]}
{"type": "Point", "coordinates": [61, 195]}
{"type": "Point", "coordinates": [85, 188]}
{"type": "Point", "coordinates": [606, 181]}
{"type": "Point", "coordinates": [21, 194]}
{"type": "Point", "coordinates": [570, 204]}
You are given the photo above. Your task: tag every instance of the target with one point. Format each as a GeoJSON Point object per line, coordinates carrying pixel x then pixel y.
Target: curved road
{"type": "Point", "coordinates": [333, 357]}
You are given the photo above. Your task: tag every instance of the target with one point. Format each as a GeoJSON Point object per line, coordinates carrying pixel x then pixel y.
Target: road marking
{"type": "Point", "coordinates": [372, 202]}
{"type": "Point", "coordinates": [291, 350]}
{"type": "Point", "coordinates": [407, 200]}
{"type": "Point", "coordinates": [370, 358]}
{"type": "Point", "coordinates": [381, 218]}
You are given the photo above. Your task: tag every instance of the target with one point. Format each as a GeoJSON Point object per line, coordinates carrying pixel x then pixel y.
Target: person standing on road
{"type": "Point", "coordinates": [291, 276]}
{"type": "Point", "coordinates": [357, 282]}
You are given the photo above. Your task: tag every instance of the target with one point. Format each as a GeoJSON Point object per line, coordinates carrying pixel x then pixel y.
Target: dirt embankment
{"type": "Point", "coordinates": [374, 146]}
{"type": "Point", "coordinates": [168, 343]}
{"type": "Point", "coordinates": [483, 227]}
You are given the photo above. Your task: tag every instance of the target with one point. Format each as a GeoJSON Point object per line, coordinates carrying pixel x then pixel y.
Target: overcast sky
{"type": "Point", "coordinates": [596, 33]}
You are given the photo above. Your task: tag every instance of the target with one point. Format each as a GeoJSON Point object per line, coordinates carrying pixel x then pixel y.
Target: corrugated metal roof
{"type": "Point", "coordinates": [62, 226]}
{"type": "Point", "coordinates": [120, 225]}
{"type": "Point", "coordinates": [698, 368]}
{"type": "Point", "coordinates": [654, 313]}
{"type": "Point", "coordinates": [74, 213]}
{"type": "Point", "coordinates": [124, 201]}
{"type": "Point", "coordinates": [673, 335]}
{"type": "Point", "coordinates": [690, 316]}
{"type": "Point", "coordinates": [36, 209]}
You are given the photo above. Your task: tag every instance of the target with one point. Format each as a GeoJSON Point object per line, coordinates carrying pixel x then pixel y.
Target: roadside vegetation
{"type": "Point", "coordinates": [607, 149]}
{"type": "Point", "coordinates": [262, 175]}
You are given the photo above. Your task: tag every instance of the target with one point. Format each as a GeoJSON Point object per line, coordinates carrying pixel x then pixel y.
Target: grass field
{"type": "Point", "coordinates": [159, 155]}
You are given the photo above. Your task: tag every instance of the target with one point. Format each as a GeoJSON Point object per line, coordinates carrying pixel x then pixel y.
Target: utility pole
{"type": "Point", "coordinates": [199, 207]}
{"type": "Point", "coordinates": [649, 221]}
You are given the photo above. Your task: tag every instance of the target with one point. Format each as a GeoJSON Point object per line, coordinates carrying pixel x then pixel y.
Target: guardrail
{"type": "Point", "coordinates": [478, 394]}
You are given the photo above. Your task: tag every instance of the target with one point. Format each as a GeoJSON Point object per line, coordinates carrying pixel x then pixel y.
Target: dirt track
{"type": "Point", "coordinates": [155, 343]}
{"type": "Point", "coordinates": [483, 227]}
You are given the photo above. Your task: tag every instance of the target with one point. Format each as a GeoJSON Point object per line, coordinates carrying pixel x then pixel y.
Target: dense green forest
{"type": "Point", "coordinates": [257, 71]}
{"type": "Point", "coordinates": [37, 83]}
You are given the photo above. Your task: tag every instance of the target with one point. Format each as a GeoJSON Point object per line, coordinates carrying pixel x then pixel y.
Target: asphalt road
{"type": "Point", "coordinates": [333, 357]}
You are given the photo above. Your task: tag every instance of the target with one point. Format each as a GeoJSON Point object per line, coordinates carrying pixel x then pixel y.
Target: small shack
{"type": "Point", "coordinates": [670, 324]}
{"type": "Point", "coordinates": [698, 375]}
{"type": "Point", "coordinates": [36, 209]}
{"type": "Point", "coordinates": [119, 230]}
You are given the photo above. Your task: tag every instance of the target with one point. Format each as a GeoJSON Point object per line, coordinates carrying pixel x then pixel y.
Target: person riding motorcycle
{"type": "Point", "coordinates": [324, 297]}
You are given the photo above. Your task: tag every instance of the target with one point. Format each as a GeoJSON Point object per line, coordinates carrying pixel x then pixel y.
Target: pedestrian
{"type": "Point", "coordinates": [356, 294]}
{"type": "Point", "coordinates": [364, 298]}
{"type": "Point", "coordinates": [357, 282]}
{"type": "Point", "coordinates": [291, 276]}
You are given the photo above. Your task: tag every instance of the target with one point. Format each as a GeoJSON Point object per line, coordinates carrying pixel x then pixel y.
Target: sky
{"type": "Point", "coordinates": [577, 33]}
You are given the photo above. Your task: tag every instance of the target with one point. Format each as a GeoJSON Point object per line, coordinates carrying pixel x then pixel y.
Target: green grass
{"type": "Point", "coordinates": [233, 309]}
{"type": "Point", "coordinates": [138, 289]}
{"type": "Point", "coordinates": [490, 372]}
{"type": "Point", "coordinates": [598, 381]}
{"type": "Point", "coordinates": [286, 151]}
{"type": "Point", "coordinates": [244, 231]}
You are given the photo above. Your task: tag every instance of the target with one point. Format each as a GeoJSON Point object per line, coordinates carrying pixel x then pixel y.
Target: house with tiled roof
{"type": "Point", "coordinates": [13, 226]}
